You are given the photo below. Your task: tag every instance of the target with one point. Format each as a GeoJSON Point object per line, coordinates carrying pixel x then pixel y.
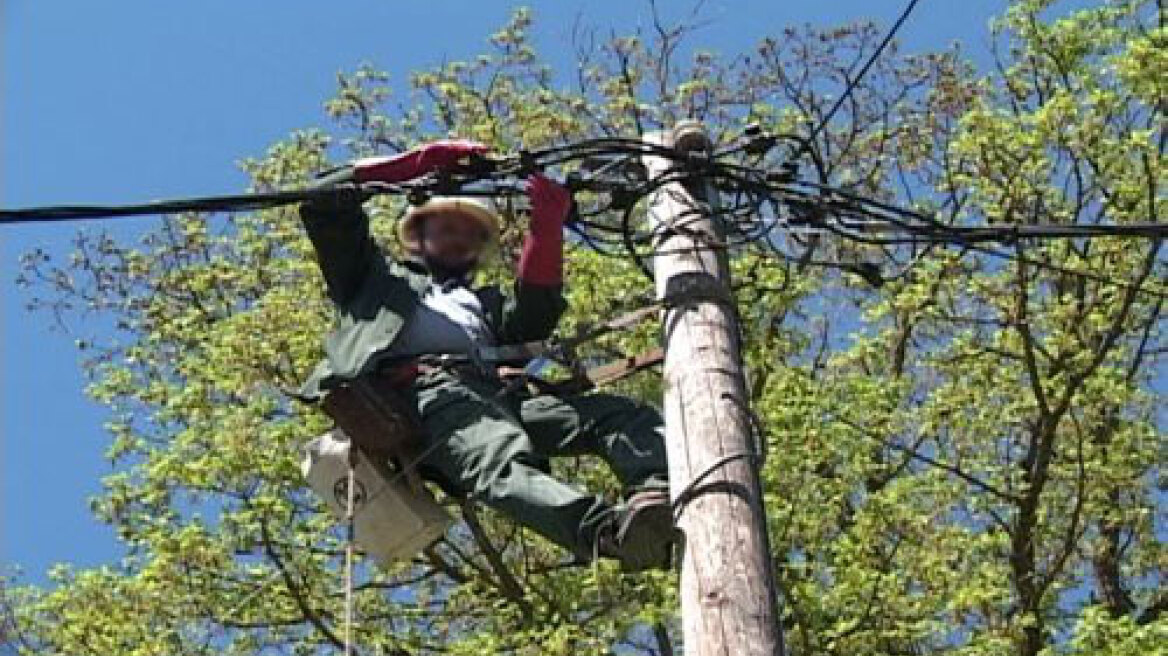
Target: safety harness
{"type": "Point", "coordinates": [372, 411]}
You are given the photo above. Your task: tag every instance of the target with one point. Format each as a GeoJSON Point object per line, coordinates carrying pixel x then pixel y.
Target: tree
{"type": "Point", "coordinates": [962, 459]}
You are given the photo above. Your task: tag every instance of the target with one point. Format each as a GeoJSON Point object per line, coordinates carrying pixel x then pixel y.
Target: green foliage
{"type": "Point", "coordinates": [961, 461]}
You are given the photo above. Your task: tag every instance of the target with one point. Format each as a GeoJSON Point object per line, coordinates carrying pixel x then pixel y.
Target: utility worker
{"type": "Point", "coordinates": [482, 436]}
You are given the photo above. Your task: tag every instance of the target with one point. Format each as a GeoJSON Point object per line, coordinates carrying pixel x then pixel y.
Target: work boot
{"type": "Point", "coordinates": [641, 534]}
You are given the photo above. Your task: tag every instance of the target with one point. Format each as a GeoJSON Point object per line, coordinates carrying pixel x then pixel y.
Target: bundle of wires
{"type": "Point", "coordinates": [771, 209]}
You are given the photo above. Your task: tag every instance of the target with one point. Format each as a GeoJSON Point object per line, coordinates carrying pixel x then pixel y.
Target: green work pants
{"type": "Point", "coordinates": [495, 448]}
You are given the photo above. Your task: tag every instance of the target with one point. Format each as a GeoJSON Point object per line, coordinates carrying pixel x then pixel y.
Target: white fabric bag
{"type": "Point", "coordinates": [392, 521]}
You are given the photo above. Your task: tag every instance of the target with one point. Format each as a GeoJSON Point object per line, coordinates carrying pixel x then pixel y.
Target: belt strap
{"type": "Point", "coordinates": [508, 352]}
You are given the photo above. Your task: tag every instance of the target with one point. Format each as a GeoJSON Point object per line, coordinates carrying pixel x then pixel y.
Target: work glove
{"type": "Point", "coordinates": [340, 186]}
{"type": "Point", "coordinates": [542, 259]}
{"type": "Point", "coordinates": [444, 155]}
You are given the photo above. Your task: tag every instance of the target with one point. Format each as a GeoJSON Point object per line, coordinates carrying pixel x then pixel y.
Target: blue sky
{"type": "Point", "coordinates": [135, 100]}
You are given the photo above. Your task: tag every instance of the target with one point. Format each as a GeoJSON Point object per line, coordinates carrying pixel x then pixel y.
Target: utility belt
{"type": "Point", "coordinates": [383, 422]}
{"type": "Point", "coordinates": [385, 425]}
{"type": "Point", "coordinates": [498, 363]}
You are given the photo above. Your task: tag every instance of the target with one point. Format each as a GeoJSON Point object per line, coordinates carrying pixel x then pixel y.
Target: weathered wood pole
{"type": "Point", "coordinates": [728, 601]}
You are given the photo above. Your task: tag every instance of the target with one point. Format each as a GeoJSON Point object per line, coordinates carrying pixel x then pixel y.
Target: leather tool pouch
{"type": "Point", "coordinates": [376, 416]}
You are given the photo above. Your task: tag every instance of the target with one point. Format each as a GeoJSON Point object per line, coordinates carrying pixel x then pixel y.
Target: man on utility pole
{"type": "Point", "coordinates": [727, 588]}
{"type": "Point", "coordinates": [420, 352]}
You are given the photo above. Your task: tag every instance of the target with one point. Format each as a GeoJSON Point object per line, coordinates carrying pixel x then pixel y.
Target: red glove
{"type": "Point", "coordinates": [542, 259]}
{"type": "Point", "coordinates": [435, 156]}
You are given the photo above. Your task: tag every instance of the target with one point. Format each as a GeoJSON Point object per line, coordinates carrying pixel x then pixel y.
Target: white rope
{"type": "Point", "coordinates": [351, 524]}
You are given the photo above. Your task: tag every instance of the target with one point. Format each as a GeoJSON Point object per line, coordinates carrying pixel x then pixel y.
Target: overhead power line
{"type": "Point", "coordinates": [854, 82]}
{"type": "Point", "coordinates": [762, 205]}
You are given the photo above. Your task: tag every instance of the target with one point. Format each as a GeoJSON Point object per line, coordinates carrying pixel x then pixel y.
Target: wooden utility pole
{"type": "Point", "coordinates": [728, 601]}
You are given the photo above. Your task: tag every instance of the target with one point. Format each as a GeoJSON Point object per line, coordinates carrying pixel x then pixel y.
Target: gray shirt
{"type": "Point", "coordinates": [449, 320]}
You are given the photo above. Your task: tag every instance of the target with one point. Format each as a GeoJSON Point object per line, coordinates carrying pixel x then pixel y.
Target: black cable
{"type": "Point", "coordinates": [238, 203]}
{"type": "Point", "coordinates": [1049, 266]}
{"type": "Point", "coordinates": [746, 179]}
{"type": "Point", "coordinates": [1017, 232]}
{"type": "Point", "coordinates": [855, 81]}
{"type": "Point", "coordinates": [816, 206]}
{"type": "Point", "coordinates": [931, 228]}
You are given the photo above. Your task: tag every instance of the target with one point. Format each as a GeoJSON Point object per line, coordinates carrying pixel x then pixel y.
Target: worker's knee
{"type": "Point", "coordinates": [647, 416]}
{"type": "Point", "coordinates": [480, 457]}
{"type": "Point", "coordinates": [494, 482]}
{"type": "Point", "coordinates": [636, 418]}
{"type": "Point", "coordinates": [495, 476]}
{"type": "Point", "coordinates": [623, 410]}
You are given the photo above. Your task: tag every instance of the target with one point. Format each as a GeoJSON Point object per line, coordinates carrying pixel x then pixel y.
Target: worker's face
{"type": "Point", "coordinates": [452, 239]}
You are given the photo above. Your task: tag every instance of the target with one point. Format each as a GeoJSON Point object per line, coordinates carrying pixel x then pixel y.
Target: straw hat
{"type": "Point", "coordinates": [480, 209]}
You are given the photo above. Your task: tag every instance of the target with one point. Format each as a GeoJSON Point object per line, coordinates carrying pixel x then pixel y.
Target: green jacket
{"type": "Point", "coordinates": [375, 296]}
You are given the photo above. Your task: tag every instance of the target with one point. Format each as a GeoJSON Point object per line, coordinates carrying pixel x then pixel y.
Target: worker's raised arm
{"type": "Point", "coordinates": [535, 310]}
{"type": "Point", "coordinates": [338, 226]}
